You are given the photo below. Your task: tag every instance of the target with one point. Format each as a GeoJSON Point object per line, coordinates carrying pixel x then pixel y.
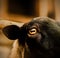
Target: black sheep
{"type": "Point", "coordinates": [39, 37]}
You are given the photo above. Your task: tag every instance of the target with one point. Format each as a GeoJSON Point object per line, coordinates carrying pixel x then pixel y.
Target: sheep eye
{"type": "Point", "coordinates": [32, 31]}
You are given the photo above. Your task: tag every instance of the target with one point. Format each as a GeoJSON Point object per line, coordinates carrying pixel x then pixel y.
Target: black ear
{"type": "Point", "coordinates": [11, 31]}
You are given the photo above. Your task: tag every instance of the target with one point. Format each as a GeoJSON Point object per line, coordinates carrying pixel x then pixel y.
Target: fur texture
{"type": "Point", "coordinates": [17, 50]}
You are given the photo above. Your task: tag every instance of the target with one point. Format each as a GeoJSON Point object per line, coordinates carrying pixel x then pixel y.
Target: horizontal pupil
{"type": "Point", "coordinates": [32, 31]}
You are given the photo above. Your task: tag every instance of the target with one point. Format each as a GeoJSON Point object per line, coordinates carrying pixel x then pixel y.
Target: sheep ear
{"type": "Point", "coordinates": [11, 31]}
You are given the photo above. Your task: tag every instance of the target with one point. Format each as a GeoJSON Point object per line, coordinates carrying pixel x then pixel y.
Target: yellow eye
{"type": "Point", "coordinates": [32, 31]}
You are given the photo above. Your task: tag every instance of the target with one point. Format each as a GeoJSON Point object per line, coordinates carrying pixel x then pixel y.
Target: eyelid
{"type": "Point", "coordinates": [34, 27]}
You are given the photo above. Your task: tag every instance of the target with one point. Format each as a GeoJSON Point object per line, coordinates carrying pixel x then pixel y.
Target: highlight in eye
{"type": "Point", "coordinates": [32, 31]}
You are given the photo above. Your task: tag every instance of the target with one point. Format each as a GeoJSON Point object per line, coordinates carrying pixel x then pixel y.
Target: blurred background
{"type": "Point", "coordinates": [24, 10]}
{"type": "Point", "coordinates": [19, 12]}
